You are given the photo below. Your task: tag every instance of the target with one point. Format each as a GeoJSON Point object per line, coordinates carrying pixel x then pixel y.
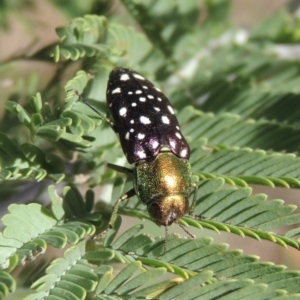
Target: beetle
{"type": "Point", "coordinates": [151, 139]}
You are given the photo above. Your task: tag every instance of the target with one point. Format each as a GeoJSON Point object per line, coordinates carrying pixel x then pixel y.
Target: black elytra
{"type": "Point", "coordinates": [143, 117]}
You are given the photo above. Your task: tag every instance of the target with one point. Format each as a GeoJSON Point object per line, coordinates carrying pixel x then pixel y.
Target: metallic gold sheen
{"type": "Point", "coordinates": [164, 185]}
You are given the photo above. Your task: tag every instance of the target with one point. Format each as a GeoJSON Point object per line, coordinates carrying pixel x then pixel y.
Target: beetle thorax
{"type": "Point", "coordinates": [163, 185]}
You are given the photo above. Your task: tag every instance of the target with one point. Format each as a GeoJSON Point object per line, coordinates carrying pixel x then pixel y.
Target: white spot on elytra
{"type": "Point", "coordinates": [127, 136]}
{"type": "Point", "coordinates": [157, 108]}
{"type": "Point", "coordinates": [145, 120]}
{"type": "Point", "coordinates": [177, 127]}
{"type": "Point", "coordinates": [142, 99]}
{"type": "Point", "coordinates": [183, 153]}
{"type": "Point", "coordinates": [170, 109]}
{"type": "Point", "coordinates": [116, 90]}
{"type": "Point", "coordinates": [157, 89]}
{"type": "Point", "coordinates": [141, 154]}
{"type": "Point", "coordinates": [150, 96]}
{"type": "Point", "coordinates": [130, 93]}
{"type": "Point", "coordinates": [131, 130]}
{"type": "Point", "coordinates": [132, 121]}
{"type": "Point", "coordinates": [172, 143]}
{"type": "Point", "coordinates": [178, 135]}
{"type": "Point", "coordinates": [138, 76]}
{"type": "Point", "coordinates": [140, 136]}
{"type": "Point", "coordinates": [123, 111]}
{"type": "Point", "coordinates": [133, 104]}
{"type": "Point", "coordinates": [145, 87]}
{"type": "Point", "coordinates": [155, 144]}
{"type": "Point", "coordinates": [158, 98]}
{"type": "Point", "coordinates": [138, 91]}
{"type": "Point", "coordinates": [165, 120]}
{"type": "Point", "coordinates": [124, 77]}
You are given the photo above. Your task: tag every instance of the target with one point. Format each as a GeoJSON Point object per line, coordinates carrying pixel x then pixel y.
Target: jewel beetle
{"type": "Point", "coordinates": [151, 139]}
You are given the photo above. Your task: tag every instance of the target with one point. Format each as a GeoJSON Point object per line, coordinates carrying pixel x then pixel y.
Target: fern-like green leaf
{"type": "Point", "coordinates": [30, 228]}
{"type": "Point", "coordinates": [231, 130]}
{"type": "Point", "coordinates": [7, 284]}
{"type": "Point", "coordinates": [27, 161]}
{"type": "Point", "coordinates": [138, 52]}
{"type": "Point", "coordinates": [201, 254]}
{"type": "Point", "coordinates": [81, 37]}
{"type": "Point", "coordinates": [24, 225]}
{"type": "Point", "coordinates": [231, 209]}
{"type": "Point", "coordinates": [273, 96]}
{"type": "Point", "coordinates": [70, 127]}
{"type": "Point", "coordinates": [70, 277]}
{"type": "Point", "coordinates": [277, 28]}
{"type": "Point", "coordinates": [91, 36]}
{"type": "Point", "coordinates": [175, 35]}
{"type": "Point", "coordinates": [248, 165]}
{"type": "Point", "coordinates": [208, 270]}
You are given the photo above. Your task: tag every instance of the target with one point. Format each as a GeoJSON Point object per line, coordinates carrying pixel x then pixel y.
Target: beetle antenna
{"type": "Point", "coordinates": [186, 231]}
{"type": "Point", "coordinates": [166, 239]}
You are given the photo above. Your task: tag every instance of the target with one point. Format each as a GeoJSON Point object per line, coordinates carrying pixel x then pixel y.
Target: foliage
{"type": "Point", "coordinates": [237, 102]}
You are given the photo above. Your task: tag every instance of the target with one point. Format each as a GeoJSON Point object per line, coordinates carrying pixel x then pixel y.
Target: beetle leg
{"type": "Point", "coordinates": [192, 207]}
{"type": "Point", "coordinates": [108, 121]}
{"type": "Point", "coordinates": [113, 217]}
{"type": "Point", "coordinates": [114, 214]}
{"type": "Point", "coordinates": [120, 169]}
